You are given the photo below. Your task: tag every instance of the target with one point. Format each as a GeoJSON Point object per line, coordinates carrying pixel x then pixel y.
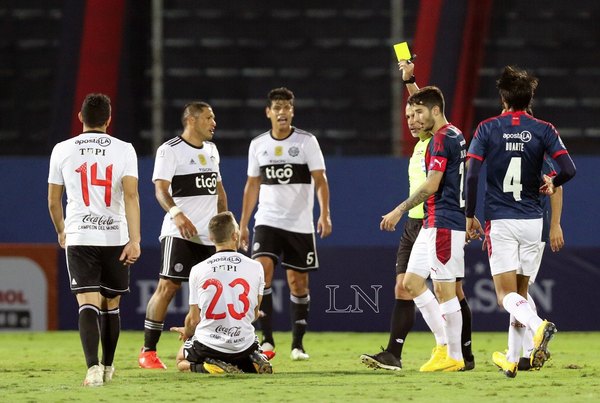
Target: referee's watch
{"type": "Point", "coordinates": [411, 80]}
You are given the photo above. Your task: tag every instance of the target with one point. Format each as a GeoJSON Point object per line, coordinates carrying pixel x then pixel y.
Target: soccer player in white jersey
{"type": "Point", "coordinates": [225, 293]}
{"type": "Point", "coordinates": [188, 187]}
{"type": "Point", "coordinates": [285, 167]}
{"type": "Point", "coordinates": [101, 230]}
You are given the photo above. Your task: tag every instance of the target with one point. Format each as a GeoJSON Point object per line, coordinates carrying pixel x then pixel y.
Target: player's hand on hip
{"type": "Point", "coordinates": [324, 226]}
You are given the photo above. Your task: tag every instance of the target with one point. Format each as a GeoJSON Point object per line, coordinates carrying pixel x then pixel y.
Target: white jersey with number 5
{"type": "Point", "coordinates": [284, 166]}
{"type": "Point", "coordinates": [226, 288]}
{"type": "Point", "coordinates": [91, 167]}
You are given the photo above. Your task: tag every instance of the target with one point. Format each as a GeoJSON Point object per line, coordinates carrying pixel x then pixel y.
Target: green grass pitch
{"type": "Point", "coordinates": [49, 367]}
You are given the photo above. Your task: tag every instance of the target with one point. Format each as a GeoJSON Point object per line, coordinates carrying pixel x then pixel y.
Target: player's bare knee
{"type": "Point", "coordinates": [298, 283]}
{"type": "Point", "coordinates": [400, 292]}
{"type": "Point", "coordinates": [412, 286]}
{"type": "Point", "coordinates": [167, 288]}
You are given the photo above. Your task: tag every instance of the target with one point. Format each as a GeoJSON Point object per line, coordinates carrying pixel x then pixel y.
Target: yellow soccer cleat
{"type": "Point", "coordinates": [543, 335]}
{"type": "Point", "coordinates": [508, 368]}
{"type": "Point", "coordinates": [452, 365]}
{"type": "Point", "coordinates": [438, 354]}
{"type": "Point", "coordinates": [214, 366]}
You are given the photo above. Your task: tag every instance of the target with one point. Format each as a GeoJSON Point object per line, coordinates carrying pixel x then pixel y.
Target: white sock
{"type": "Point", "coordinates": [516, 333]}
{"type": "Point", "coordinates": [519, 307]}
{"type": "Point", "coordinates": [430, 309]}
{"type": "Point", "coordinates": [453, 327]}
{"type": "Point", "coordinates": [528, 337]}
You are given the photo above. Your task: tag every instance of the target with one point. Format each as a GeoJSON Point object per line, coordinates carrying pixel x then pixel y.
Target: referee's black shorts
{"type": "Point", "coordinates": [407, 240]}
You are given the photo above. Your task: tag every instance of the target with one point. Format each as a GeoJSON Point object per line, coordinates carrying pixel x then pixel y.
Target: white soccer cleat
{"type": "Point", "coordinates": [94, 376]}
{"type": "Point", "coordinates": [299, 355]}
{"type": "Point", "coordinates": [108, 373]}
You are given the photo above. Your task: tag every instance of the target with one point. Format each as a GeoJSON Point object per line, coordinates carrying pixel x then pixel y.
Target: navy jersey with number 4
{"type": "Point", "coordinates": [446, 153]}
{"type": "Point", "coordinates": [514, 144]}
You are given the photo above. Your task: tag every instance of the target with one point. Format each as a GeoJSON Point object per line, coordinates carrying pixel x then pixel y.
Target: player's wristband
{"type": "Point", "coordinates": [411, 80]}
{"type": "Point", "coordinates": [173, 211]}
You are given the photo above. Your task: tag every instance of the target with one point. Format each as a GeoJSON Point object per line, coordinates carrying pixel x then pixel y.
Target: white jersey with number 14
{"type": "Point", "coordinates": [91, 167]}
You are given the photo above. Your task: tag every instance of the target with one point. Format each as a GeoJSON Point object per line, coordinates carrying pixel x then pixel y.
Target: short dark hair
{"type": "Point", "coordinates": [280, 94]}
{"type": "Point", "coordinates": [221, 227]}
{"type": "Point", "coordinates": [516, 87]}
{"type": "Point", "coordinates": [429, 96]}
{"type": "Point", "coordinates": [192, 109]}
{"type": "Point", "coordinates": [95, 110]}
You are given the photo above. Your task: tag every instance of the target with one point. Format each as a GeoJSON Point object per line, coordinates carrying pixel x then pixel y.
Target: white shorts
{"type": "Point", "coordinates": [538, 263]}
{"type": "Point", "coordinates": [438, 252]}
{"type": "Point", "coordinates": [514, 245]}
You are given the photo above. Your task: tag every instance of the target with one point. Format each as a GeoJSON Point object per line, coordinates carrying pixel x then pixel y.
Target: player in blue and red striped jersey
{"type": "Point", "coordinates": [513, 144]}
{"type": "Point", "coordinates": [439, 248]}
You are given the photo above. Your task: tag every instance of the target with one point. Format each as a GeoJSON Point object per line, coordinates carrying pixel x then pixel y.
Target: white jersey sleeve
{"type": "Point", "coordinates": [164, 164]}
{"type": "Point", "coordinates": [314, 155]}
{"type": "Point", "coordinates": [253, 164]}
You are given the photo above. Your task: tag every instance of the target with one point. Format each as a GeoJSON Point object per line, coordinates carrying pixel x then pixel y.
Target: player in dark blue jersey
{"type": "Point", "coordinates": [439, 248]}
{"type": "Point", "coordinates": [513, 144]}
{"type": "Point", "coordinates": [552, 234]}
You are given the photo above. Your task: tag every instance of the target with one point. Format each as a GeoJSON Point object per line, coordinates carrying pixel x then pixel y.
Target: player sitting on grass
{"type": "Point", "coordinates": [225, 293]}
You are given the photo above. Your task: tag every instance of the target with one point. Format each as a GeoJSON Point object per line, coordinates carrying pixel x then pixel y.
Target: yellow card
{"type": "Point", "coordinates": [402, 51]}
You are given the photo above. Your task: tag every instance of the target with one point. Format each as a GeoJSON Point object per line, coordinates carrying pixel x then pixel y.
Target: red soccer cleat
{"type": "Point", "coordinates": [269, 354]}
{"type": "Point", "coordinates": [149, 360]}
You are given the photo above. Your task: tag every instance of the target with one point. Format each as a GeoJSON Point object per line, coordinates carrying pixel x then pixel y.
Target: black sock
{"type": "Point", "coordinates": [266, 321]}
{"type": "Point", "coordinates": [110, 328]}
{"type": "Point", "coordinates": [197, 367]}
{"type": "Point", "coordinates": [299, 307]}
{"type": "Point", "coordinates": [152, 332]}
{"type": "Point", "coordinates": [465, 337]}
{"type": "Point", "coordinates": [403, 319]}
{"type": "Point", "coordinates": [89, 333]}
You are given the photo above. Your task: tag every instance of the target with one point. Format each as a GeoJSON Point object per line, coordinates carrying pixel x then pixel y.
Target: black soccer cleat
{"type": "Point", "coordinates": [260, 363]}
{"type": "Point", "coordinates": [383, 360]}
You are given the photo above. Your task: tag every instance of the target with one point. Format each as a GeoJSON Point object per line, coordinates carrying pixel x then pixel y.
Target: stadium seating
{"type": "Point", "coordinates": [334, 55]}
{"type": "Point", "coordinates": [558, 42]}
